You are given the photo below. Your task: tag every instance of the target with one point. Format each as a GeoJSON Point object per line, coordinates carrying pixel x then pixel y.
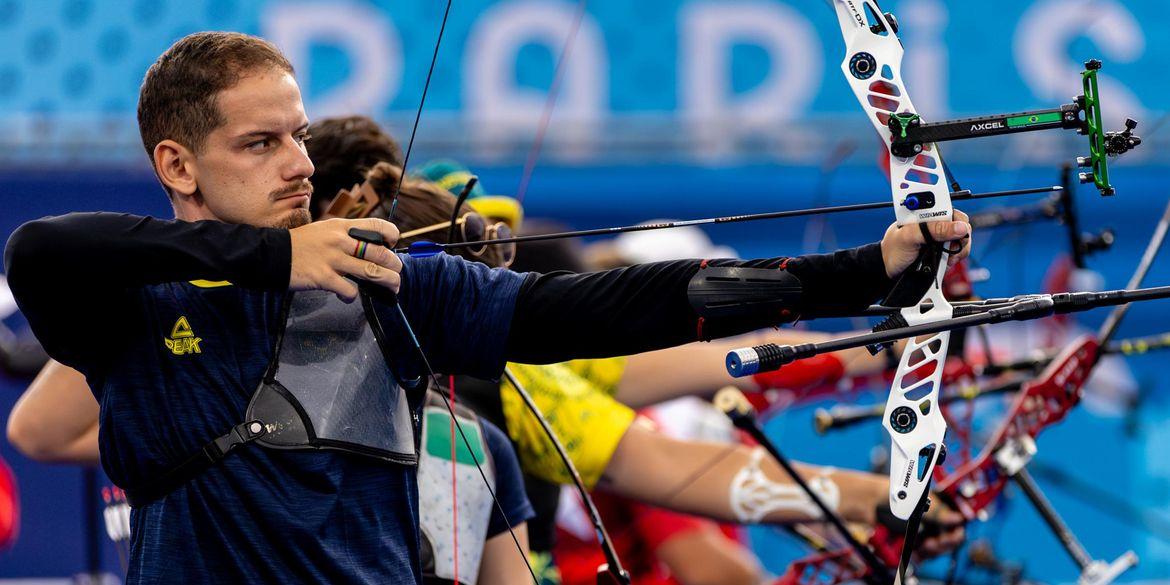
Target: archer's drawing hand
{"type": "Point", "coordinates": [324, 254]}
{"type": "Point", "coordinates": [901, 244]}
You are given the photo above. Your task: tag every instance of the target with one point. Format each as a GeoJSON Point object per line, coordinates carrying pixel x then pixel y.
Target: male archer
{"type": "Point", "coordinates": [222, 120]}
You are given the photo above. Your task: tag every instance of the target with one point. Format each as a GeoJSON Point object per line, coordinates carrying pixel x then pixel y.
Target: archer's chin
{"type": "Point", "coordinates": [293, 219]}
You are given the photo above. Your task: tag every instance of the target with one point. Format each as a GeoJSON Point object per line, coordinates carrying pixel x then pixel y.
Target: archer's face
{"type": "Point", "coordinates": [253, 169]}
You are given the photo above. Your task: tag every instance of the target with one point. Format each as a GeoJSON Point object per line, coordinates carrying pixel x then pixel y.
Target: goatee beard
{"type": "Point", "coordinates": [295, 219]}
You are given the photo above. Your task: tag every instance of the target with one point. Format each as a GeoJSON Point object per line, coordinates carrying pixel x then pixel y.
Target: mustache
{"type": "Point", "coordinates": [294, 188]}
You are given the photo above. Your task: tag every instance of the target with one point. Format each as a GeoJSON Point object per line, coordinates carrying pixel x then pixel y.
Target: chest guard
{"type": "Point", "coordinates": [329, 385]}
{"type": "Point", "coordinates": [441, 465]}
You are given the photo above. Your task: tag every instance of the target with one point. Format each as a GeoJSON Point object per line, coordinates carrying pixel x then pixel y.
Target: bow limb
{"type": "Point", "coordinates": [613, 570]}
{"type": "Point", "coordinates": [873, 68]}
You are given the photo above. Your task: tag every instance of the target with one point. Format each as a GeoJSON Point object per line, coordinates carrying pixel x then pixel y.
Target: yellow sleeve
{"type": "Point", "coordinates": [587, 420]}
{"type": "Point", "coordinates": [604, 373]}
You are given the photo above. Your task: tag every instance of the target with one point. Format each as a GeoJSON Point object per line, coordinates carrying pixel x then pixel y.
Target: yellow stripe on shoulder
{"type": "Point", "coordinates": [210, 283]}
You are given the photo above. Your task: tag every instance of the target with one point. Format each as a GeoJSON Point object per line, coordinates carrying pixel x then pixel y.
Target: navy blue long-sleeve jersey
{"type": "Point", "coordinates": [174, 364]}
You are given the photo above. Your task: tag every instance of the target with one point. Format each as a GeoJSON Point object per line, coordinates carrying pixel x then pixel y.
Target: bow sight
{"type": "Point", "coordinates": [911, 134]}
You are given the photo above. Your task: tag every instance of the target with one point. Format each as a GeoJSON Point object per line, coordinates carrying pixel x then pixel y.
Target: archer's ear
{"type": "Point", "coordinates": [175, 164]}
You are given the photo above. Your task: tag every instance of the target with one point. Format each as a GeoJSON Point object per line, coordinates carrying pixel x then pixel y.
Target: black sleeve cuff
{"type": "Point", "coordinates": [274, 260]}
{"type": "Point", "coordinates": [842, 283]}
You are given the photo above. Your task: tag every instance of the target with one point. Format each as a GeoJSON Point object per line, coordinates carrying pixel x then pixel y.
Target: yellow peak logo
{"type": "Point", "coordinates": [183, 340]}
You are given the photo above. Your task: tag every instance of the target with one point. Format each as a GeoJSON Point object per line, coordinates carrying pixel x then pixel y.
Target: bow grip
{"type": "Point", "coordinates": [919, 277]}
{"type": "Point", "coordinates": [911, 286]}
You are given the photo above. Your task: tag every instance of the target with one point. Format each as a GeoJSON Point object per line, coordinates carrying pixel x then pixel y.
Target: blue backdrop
{"type": "Point", "coordinates": [65, 56]}
{"type": "Point", "coordinates": [706, 81]}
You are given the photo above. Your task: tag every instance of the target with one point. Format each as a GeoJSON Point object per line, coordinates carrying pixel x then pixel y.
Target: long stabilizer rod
{"type": "Point", "coordinates": [768, 357]}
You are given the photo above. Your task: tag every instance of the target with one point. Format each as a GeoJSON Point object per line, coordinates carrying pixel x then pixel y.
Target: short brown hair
{"type": "Point", "coordinates": [344, 149]}
{"type": "Point", "coordinates": [420, 204]}
{"type": "Point", "coordinates": [177, 100]}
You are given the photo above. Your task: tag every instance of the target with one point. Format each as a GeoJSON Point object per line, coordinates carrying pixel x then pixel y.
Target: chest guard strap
{"type": "Point", "coordinates": [211, 453]}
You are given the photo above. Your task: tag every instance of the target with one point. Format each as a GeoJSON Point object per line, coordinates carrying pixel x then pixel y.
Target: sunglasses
{"type": "Point", "coordinates": [474, 228]}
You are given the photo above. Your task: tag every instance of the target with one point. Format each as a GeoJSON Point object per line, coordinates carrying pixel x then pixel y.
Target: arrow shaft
{"type": "Point", "coordinates": [608, 231]}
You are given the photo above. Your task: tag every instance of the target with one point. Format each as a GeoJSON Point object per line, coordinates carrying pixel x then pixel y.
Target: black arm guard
{"type": "Point", "coordinates": [728, 296]}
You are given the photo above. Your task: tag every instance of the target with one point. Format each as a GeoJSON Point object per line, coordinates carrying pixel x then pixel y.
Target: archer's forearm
{"type": "Point", "coordinates": [501, 562]}
{"type": "Point", "coordinates": [56, 419]}
{"type": "Point", "coordinates": [648, 306]}
{"type": "Point", "coordinates": [861, 492]}
{"type": "Point", "coordinates": [696, 369]}
{"type": "Point", "coordinates": [118, 250]}
{"type": "Point", "coordinates": [731, 482]}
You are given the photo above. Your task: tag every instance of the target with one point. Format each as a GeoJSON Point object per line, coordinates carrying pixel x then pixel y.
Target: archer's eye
{"type": "Point", "coordinates": [259, 145]}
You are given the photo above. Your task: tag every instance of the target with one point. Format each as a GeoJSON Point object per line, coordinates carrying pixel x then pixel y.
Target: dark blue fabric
{"type": "Point", "coordinates": [267, 516]}
{"type": "Point", "coordinates": [509, 483]}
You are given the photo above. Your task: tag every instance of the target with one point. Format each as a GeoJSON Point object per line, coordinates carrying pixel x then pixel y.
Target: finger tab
{"type": "Point", "coordinates": [367, 236]}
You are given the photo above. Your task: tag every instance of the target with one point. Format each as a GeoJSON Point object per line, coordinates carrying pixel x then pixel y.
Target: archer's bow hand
{"type": "Point", "coordinates": [942, 530]}
{"type": "Point", "coordinates": [901, 244]}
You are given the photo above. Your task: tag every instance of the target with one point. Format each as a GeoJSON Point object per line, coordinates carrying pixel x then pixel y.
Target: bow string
{"type": "Point", "coordinates": [612, 572]}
